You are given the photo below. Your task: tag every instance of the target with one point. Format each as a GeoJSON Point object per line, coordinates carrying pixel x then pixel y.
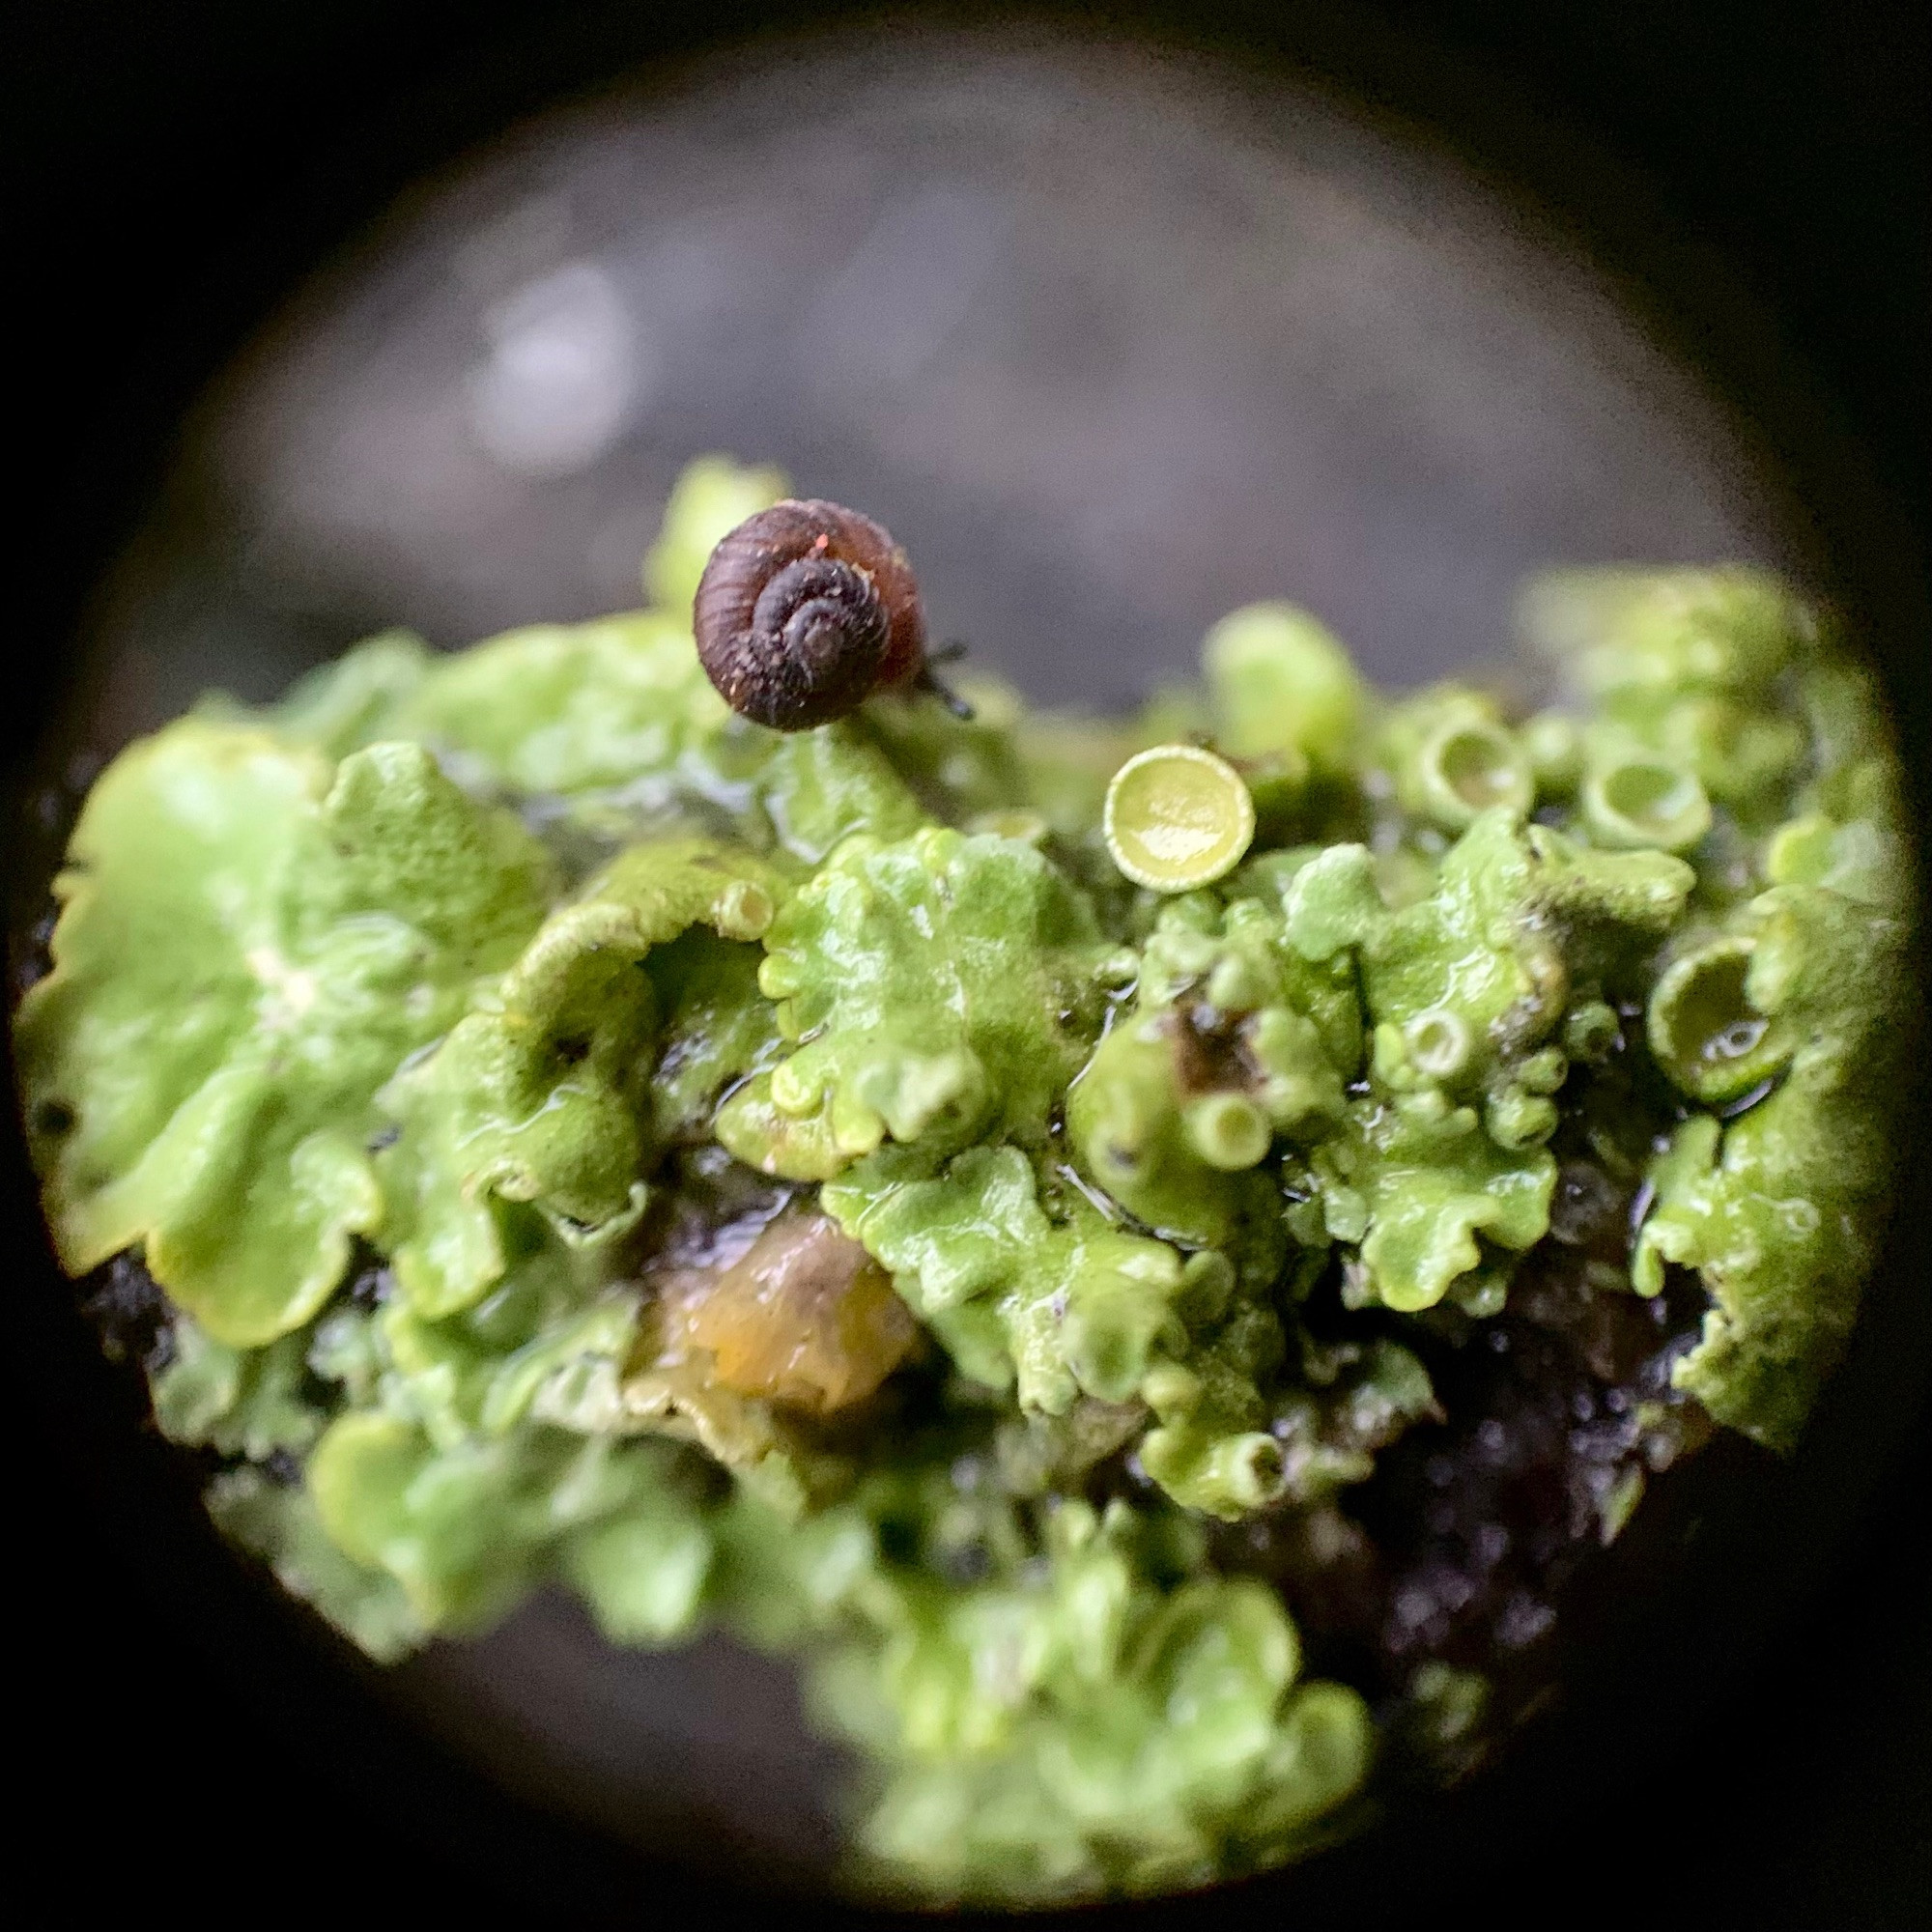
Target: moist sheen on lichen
{"type": "Point", "coordinates": [1156, 1358]}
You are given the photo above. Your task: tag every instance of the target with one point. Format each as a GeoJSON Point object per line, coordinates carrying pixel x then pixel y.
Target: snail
{"type": "Point", "coordinates": [806, 609]}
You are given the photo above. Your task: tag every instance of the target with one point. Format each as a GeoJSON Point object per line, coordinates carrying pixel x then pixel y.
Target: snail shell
{"type": "Point", "coordinates": [804, 612]}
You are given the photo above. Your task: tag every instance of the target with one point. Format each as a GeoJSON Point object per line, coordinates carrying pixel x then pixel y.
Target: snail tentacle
{"type": "Point", "coordinates": [930, 682]}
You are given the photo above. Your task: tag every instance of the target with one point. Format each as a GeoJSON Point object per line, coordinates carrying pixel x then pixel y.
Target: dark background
{"type": "Point", "coordinates": [1762, 170]}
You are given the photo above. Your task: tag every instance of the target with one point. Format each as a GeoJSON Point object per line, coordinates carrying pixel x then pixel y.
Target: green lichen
{"type": "Point", "coordinates": [1051, 1309]}
{"type": "Point", "coordinates": [712, 494]}
{"type": "Point", "coordinates": [467, 1532]}
{"type": "Point", "coordinates": [250, 1402]}
{"type": "Point", "coordinates": [279, 1524]}
{"type": "Point", "coordinates": [1353, 1399]}
{"type": "Point", "coordinates": [542, 1346]}
{"type": "Point", "coordinates": [1090, 1731]}
{"type": "Point", "coordinates": [534, 982]}
{"type": "Point", "coordinates": [1689, 664]}
{"type": "Point", "coordinates": [819, 789]}
{"type": "Point", "coordinates": [251, 942]}
{"type": "Point", "coordinates": [1226, 1017]}
{"type": "Point", "coordinates": [1779, 1210]}
{"type": "Point", "coordinates": [1129, 1121]}
{"type": "Point", "coordinates": [717, 1028]}
{"type": "Point", "coordinates": [1450, 758]}
{"type": "Point", "coordinates": [1064, 1307]}
{"type": "Point", "coordinates": [1420, 1188]}
{"type": "Point", "coordinates": [1466, 987]}
{"type": "Point", "coordinates": [540, 1097]}
{"type": "Point", "coordinates": [1211, 1448]}
{"type": "Point", "coordinates": [1280, 683]}
{"type": "Point", "coordinates": [938, 989]}
{"type": "Point", "coordinates": [619, 705]}
{"type": "Point", "coordinates": [1095, 1716]}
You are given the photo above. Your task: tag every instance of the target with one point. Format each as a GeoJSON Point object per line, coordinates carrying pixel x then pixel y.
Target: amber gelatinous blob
{"type": "Point", "coordinates": [806, 1317]}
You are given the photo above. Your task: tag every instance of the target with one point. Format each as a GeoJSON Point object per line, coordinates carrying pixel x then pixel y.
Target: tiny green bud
{"type": "Point", "coordinates": [1800, 849]}
{"type": "Point", "coordinates": [1228, 1131]}
{"type": "Point", "coordinates": [1236, 985]}
{"type": "Point", "coordinates": [1167, 1388]}
{"type": "Point", "coordinates": [1345, 1211]}
{"type": "Point", "coordinates": [1438, 1042]}
{"type": "Point", "coordinates": [1206, 1283]}
{"type": "Point", "coordinates": [1617, 1508]}
{"type": "Point", "coordinates": [1703, 1029]}
{"type": "Point", "coordinates": [1177, 817]}
{"type": "Point", "coordinates": [1281, 682]}
{"type": "Point", "coordinates": [1015, 822]}
{"type": "Point", "coordinates": [1553, 747]}
{"type": "Point", "coordinates": [711, 498]}
{"type": "Point", "coordinates": [1544, 1071]}
{"type": "Point", "coordinates": [792, 1092]}
{"type": "Point", "coordinates": [1467, 767]}
{"type": "Point", "coordinates": [1639, 803]}
{"type": "Point", "coordinates": [1248, 1469]}
{"type": "Point", "coordinates": [1071, 1526]}
{"type": "Point", "coordinates": [1433, 1110]}
{"type": "Point", "coordinates": [1516, 1119]}
{"type": "Point", "coordinates": [1481, 1294]}
{"type": "Point", "coordinates": [1591, 1032]}
{"type": "Point", "coordinates": [1197, 914]}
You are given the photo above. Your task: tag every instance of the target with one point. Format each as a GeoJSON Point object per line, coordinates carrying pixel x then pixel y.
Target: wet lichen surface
{"type": "Point", "coordinates": [1161, 1357]}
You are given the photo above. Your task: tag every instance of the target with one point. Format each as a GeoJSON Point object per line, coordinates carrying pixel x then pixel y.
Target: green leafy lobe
{"type": "Point", "coordinates": [542, 1095]}
{"type": "Point", "coordinates": [1088, 1731]}
{"type": "Point", "coordinates": [251, 943]}
{"type": "Point", "coordinates": [1777, 1209]}
{"type": "Point", "coordinates": [937, 988]}
{"type": "Point", "coordinates": [1056, 1310]}
{"type": "Point", "coordinates": [1465, 986]}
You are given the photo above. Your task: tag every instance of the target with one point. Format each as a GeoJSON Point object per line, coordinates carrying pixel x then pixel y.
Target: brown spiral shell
{"type": "Point", "coordinates": [804, 610]}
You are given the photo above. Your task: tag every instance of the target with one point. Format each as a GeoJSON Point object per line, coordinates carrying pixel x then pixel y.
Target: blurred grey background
{"type": "Point", "coordinates": [1113, 342]}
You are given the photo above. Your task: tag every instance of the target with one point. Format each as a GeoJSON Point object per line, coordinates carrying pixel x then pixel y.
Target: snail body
{"type": "Point", "coordinates": [804, 612]}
